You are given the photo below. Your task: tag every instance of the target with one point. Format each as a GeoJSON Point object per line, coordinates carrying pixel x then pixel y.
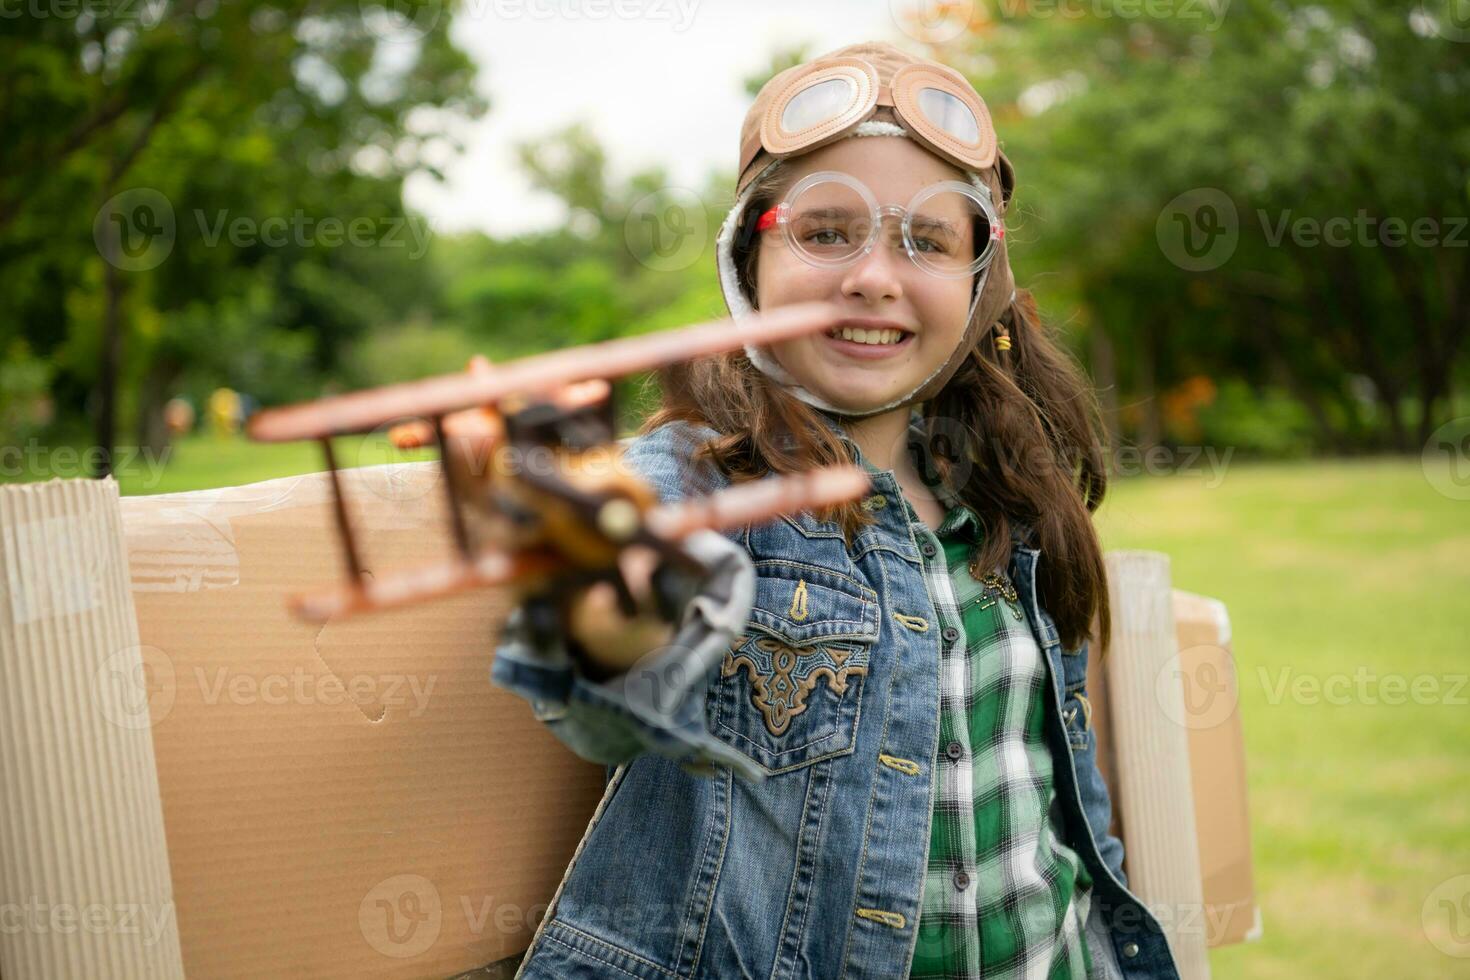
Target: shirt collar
{"type": "Point", "coordinates": [959, 518]}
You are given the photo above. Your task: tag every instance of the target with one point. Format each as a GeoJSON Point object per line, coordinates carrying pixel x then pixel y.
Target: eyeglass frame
{"type": "Point", "coordinates": [779, 215]}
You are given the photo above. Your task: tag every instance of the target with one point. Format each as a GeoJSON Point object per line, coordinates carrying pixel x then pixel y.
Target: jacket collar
{"type": "Point", "coordinates": [1021, 533]}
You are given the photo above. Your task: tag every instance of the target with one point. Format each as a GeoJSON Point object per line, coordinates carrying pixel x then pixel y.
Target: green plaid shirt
{"type": "Point", "coordinates": [1004, 896]}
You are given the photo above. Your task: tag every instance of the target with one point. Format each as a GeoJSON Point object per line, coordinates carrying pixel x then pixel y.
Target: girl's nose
{"type": "Point", "coordinates": [876, 276]}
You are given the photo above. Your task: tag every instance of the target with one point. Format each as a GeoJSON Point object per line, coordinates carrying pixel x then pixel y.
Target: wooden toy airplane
{"type": "Point", "coordinates": [541, 529]}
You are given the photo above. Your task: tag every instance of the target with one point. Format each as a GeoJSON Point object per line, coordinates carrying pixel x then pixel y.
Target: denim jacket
{"type": "Point", "coordinates": [720, 850]}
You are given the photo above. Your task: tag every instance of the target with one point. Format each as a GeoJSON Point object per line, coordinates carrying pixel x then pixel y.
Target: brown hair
{"type": "Point", "coordinates": [1029, 419]}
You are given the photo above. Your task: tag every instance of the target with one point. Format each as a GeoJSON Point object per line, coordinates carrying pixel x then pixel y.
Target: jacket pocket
{"type": "Point", "coordinates": [789, 691]}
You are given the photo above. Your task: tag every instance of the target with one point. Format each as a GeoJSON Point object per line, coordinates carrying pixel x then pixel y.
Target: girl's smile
{"type": "Point", "coordinates": [870, 338]}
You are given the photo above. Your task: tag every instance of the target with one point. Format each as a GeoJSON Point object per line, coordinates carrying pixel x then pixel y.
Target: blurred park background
{"type": "Point", "coordinates": [1247, 218]}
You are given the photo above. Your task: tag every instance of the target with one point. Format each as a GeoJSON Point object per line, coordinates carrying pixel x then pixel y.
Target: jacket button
{"type": "Point", "coordinates": [961, 880]}
{"type": "Point", "coordinates": [951, 634]}
{"type": "Point", "coordinates": [876, 502]}
{"type": "Point", "coordinates": [927, 548]}
{"type": "Point", "coordinates": [1130, 950]}
{"type": "Point", "coordinates": [954, 750]}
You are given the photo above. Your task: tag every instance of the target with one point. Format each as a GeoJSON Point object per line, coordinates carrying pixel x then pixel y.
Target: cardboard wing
{"type": "Point", "coordinates": [358, 800]}
{"type": "Point", "coordinates": [351, 800]}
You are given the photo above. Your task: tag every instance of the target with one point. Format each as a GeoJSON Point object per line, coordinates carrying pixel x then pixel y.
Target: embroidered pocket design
{"type": "Point", "coordinates": [779, 687]}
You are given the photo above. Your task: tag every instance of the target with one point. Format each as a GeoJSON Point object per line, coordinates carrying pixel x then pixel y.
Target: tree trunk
{"type": "Point", "coordinates": [152, 429]}
{"type": "Point", "coordinates": [106, 431]}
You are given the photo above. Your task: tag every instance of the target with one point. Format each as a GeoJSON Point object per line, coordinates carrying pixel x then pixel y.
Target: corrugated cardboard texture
{"type": "Point", "coordinates": [84, 873]}
{"type": "Point", "coordinates": [359, 800]}
{"type": "Point", "coordinates": [1153, 788]}
{"type": "Point", "coordinates": [355, 800]}
{"type": "Point", "coordinates": [1205, 671]}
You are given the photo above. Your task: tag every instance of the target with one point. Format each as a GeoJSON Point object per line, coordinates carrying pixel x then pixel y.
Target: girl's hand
{"type": "Point", "coordinates": [614, 642]}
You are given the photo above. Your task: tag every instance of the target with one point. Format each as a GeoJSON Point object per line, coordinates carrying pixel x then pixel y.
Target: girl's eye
{"type": "Point", "coordinates": [826, 236]}
{"type": "Point", "coordinates": [929, 245]}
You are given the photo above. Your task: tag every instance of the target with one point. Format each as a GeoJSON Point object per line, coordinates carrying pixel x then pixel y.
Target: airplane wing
{"type": "Point", "coordinates": [361, 411]}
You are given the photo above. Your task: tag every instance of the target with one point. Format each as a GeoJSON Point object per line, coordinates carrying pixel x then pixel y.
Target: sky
{"type": "Point", "coordinates": [661, 85]}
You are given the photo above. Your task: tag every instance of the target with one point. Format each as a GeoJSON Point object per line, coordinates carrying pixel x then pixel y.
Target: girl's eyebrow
{"type": "Point", "coordinates": [829, 212]}
{"type": "Point", "coordinates": [937, 224]}
{"type": "Point", "coordinates": [921, 220]}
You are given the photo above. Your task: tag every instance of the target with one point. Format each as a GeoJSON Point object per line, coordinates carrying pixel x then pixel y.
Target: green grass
{"type": "Point", "coordinates": [1359, 807]}
{"type": "Point", "coordinates": [204, 462]}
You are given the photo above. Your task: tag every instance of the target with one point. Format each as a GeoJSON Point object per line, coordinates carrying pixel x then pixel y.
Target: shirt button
{"type": "Point", "coordinates": [961, 880]}
{"type": "Point", "coordinates": [928, 548]}
{"type": "Point", "coordinates": [876, 502]}
{"type": "Point", "coordinates": [951, 634]}
{"type": "Point", "coordinates": [954, 750]}
{"type": "Point", "coordinates": [1130, 950]}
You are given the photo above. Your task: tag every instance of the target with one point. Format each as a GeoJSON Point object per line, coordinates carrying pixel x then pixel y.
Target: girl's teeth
{"type": "Point", "coordinates": [885, 336]}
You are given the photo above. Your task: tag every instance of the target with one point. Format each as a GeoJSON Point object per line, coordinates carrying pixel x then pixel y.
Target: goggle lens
{"type": "Point", "coordinates": [818, 104]}
{"type": "Point", "coordinates": [948, 114]}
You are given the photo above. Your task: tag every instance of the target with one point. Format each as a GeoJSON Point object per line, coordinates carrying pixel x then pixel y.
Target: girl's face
{"type": "Point", "coordinates": [884, 286]}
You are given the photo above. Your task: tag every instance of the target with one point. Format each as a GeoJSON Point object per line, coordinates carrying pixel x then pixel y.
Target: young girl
{"type": "Point", "coordinates": [864, 751]}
